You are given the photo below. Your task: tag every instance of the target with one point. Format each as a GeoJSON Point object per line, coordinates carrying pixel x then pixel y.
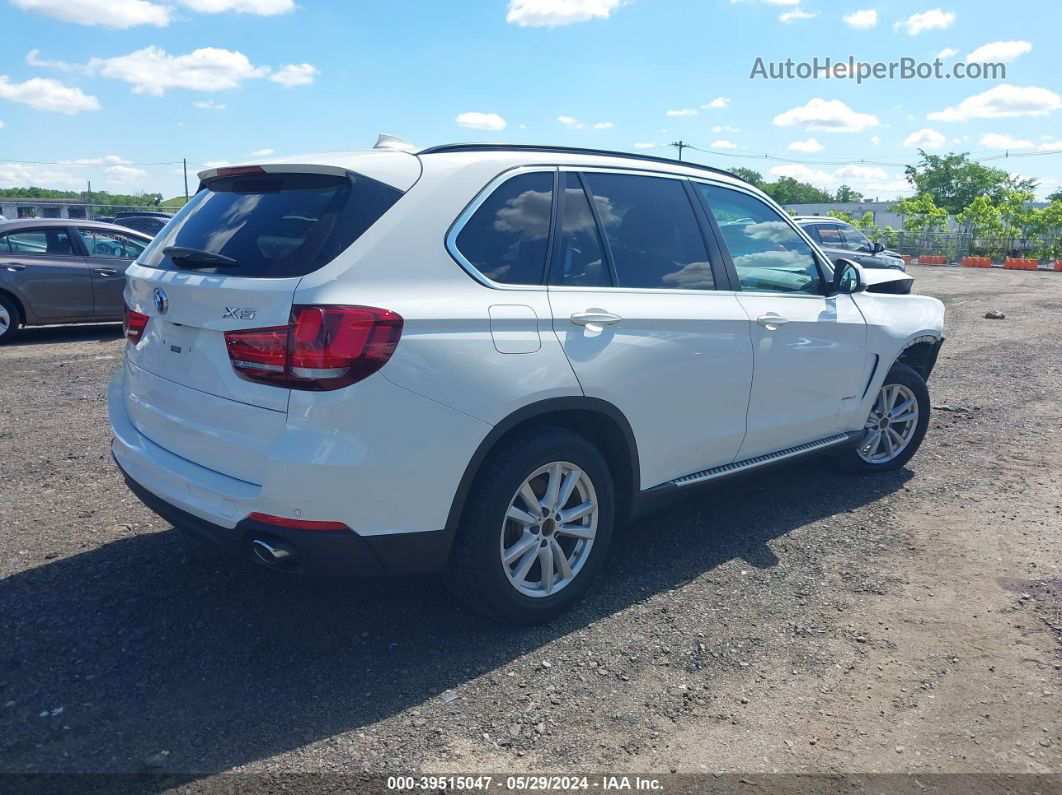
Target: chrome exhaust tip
{"type": "Point", "coordinates": [273, 552]}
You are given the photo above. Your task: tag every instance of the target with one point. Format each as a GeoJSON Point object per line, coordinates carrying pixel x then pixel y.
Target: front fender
{"type": "Point", "coordinates": [896, 323]}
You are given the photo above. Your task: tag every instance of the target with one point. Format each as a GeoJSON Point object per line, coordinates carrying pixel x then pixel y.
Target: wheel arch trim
{"type": "Point", "coordinates": [537, 410]}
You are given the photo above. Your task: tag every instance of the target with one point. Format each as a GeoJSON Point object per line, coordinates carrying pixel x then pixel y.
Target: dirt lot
{"type": "Point", "coordinates": [798, 621]}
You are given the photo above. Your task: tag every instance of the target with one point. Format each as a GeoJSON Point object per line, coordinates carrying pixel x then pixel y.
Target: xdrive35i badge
{"type": "Point", "coordinates": [238, 313]}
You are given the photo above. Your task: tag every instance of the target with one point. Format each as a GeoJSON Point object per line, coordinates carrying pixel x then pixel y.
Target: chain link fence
{"type": "Point", "coordinates": [956, 245]}
{"type": "Point", "coordinates": [148, 219]}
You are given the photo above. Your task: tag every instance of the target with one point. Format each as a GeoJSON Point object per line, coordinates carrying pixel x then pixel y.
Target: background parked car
{"type": "Point", "coordinates": [63, 271]}
{"type": "Point", "coordinates": [839, 239]}
{"type": "Point", "coordinates": [148, 223]}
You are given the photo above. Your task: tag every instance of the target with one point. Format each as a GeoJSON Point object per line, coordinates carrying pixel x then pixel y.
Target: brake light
{"type": "Point", "coordinates": [236, 171]}
{"type": "Point", "coordinates": [296, 524]}
{"type": "Point", "coordinates": [322, 347]}
{"type": "Point", "coordinates": [134, 323]}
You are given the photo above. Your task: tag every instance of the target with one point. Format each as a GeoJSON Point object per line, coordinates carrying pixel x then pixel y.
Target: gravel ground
{"type": "Point", "coordinates": [796, 621]}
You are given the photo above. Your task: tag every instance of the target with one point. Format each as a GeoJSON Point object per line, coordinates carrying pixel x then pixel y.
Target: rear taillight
{"type": "Point", "coordinates": [134, 324]}
{"type": "Point", "coordinates": [322, 347]}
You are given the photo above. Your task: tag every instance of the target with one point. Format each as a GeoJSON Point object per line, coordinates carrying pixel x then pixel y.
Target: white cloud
{"type": "Point", "coordinates": [827, 115]}
{"type": "Point", "coordinates": [480, 121]}
{"type": "Point", "coordinates": [810, 145]}
{"type": "Point", "coordinates": [571, 122]}
{"type": "Point", "coordinates": [119, 14]}
{"type": "Point", "coordinates": [866, 179]}
{"type": "Point", "coordinates": [556, 13]}
{"type": "Point", "coordinates": [721, 128]}
{"type": "Point", "coordinates": [295, 74]}
{"type": "Point", "coordinates": [262, 153]}
{"type": "Point", "coordinates": [861, 172]}
{"type": "Point", "coordinates": [43, 93]}
{"type": "Point", "coordinates": [722, 143]}
{"type": "Point", "coordinates": [796, 13]}
{"type": "Point", "coordinates": [947, 52]}
{"type": "Point", "coordinates": [804, 174]}
{"type": "Point", "coordinates": [216, 164]}
{"type": "Point", "coordinates": [106, 160]}
{"type": "Point", "coordinates": [999, 52]}
{"type": "Point", "coordinates": [927, 20]}
{"type": "Point", "coordinates": [862, 20]}
{"type": "Point", "coordinates": [209, 104]}
{"type": "Point", "coordinates": [1049, 144]}
{"type": "Point", "coordinates": [645, 145]}
{"type": "Point", "coordinates": [19, 175]}
{"type": "Point", "coordinates": [683, 112]}
{"type": "Point", "coordinates": [1002, 102]}
{"type": "Point", "coordinates": [265, 8]}
{"type": "Point", "coordinates": [603, 125]}
{"type": "Point", "coordinates": [33, 59]}
{"type": "Point", "coordinates": [124, 175]}
{"type": "Point", "coordinates": [1004, 141]}
{"type": "Point", "coordinates": [925, 139]}
{"type": "Point", "coordinates": [717, 104]}
{"type": "Point", "coordinates": [875, 140]}
{"type": "Point", "coordinates": [152, 70]}
{"type": "Point", "coordinates": [1, 125]}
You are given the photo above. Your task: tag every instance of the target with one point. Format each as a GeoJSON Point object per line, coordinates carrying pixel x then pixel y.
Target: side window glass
{"type": "Point", "coordinates": [830, 236]}
{"type": "Point", "coordinates": [652, 232]}
{"type": "Point", "coordinates": [103, 243]}
{"type": "Point", "coordinates": [44, 242]}
{"type": "Point", "coordinates": [854, 240]}
{"type": "Point", "coordinates": [768, 254]}
{"type": "Point", "coordinates": [582, 257]}
{"type": "Point", "coordinates": [506, 237]}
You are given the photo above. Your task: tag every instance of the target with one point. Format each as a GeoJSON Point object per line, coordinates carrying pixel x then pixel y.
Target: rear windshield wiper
{"type": "Point", "coordinates": [205, 259]}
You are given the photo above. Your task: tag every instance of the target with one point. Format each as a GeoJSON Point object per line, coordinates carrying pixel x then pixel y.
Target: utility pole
{"type": "Point", "coordinates": [88, 197]}
{"type": "Point", "coordinates": [680, 145]}
{"type": "Point", "coordinates": [185, 180]}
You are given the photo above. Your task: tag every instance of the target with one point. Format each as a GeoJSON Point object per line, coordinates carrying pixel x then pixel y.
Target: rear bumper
{"type": "Point", "coordinates": [316, 554]}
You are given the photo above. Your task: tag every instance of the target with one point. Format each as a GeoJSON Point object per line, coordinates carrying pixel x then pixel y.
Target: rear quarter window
{"type": "Point", "coordinates": [274, 225]}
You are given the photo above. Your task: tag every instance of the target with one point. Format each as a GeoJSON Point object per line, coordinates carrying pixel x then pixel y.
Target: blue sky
{"type": "Point", "coordinates": [118, 84]}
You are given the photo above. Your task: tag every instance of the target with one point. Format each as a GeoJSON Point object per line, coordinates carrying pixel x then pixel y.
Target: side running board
{"type": "Point", "coordinates": [760, 460]}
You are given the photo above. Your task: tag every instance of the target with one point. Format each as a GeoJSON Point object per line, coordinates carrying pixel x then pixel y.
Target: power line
{"type": "Point", "coordinates": [859, 161]}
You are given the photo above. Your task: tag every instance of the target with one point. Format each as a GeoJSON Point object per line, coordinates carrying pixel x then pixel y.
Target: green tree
{"type": "Point", "coordinates": [791, 191]}
{"type": "Point", "coordinates": [983, 222]}
{"type": "Point", "coordinates": [1049, 229]}
{"type": "Point", "coordinates": [846, 195]}
{"type": "Point", "coordinates": [750, 176]}
{"type": "Point", "coordinates": [953, 180]}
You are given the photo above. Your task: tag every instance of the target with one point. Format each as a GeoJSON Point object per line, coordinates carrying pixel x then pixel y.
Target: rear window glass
{"type": "Point", "coordinates": [273, 225]}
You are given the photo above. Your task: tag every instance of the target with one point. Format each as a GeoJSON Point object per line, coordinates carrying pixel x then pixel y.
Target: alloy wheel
{"type": "Point", "coordinates": [549, 529]}
{"type": "Point", "coordinates": [891, 424]}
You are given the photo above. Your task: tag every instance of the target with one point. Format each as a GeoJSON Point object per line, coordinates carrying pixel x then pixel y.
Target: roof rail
{"type": "Point", "coordinates": [573, 150]}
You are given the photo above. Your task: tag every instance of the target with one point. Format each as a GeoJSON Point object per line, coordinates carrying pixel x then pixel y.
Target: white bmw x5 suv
{"type": "Point", "coordinates": [481, 359]}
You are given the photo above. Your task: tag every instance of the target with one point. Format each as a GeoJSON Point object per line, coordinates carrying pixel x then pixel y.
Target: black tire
{"type": "Point", "coordinates": [475, 571]}
{"type": "Point", "coordinates": [15, 319]}
{"type": "Point", "coordinates": [852, 461]}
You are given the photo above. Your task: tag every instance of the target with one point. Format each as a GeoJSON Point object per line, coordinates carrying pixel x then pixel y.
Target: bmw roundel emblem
{"type": "Point", "coordinates": [162, 303]}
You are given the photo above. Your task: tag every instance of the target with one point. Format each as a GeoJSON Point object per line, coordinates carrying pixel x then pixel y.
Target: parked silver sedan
{"type": "Point", "coordinates": [63, 271]}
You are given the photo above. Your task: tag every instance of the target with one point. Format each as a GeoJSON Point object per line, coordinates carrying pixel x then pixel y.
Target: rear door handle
{"type": "Point", "coordinates": [771, 321]}
{"type": "Point", "coordinates": [595, 317]}
{"type": "Point", "coordinates": [14, 266]}
{"type": "Point", "coordinates": [105, 271]}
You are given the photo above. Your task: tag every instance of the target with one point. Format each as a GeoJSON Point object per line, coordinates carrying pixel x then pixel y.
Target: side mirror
{"type": "Point", "coordinates": [848, 278]}
{"type": "Point", "coordinates": [877, 248]}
